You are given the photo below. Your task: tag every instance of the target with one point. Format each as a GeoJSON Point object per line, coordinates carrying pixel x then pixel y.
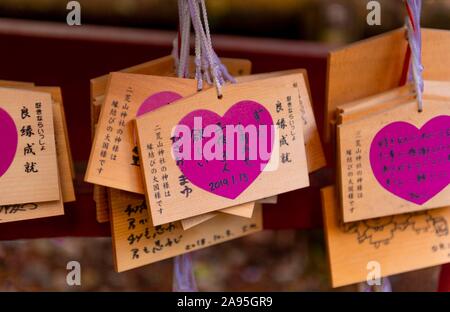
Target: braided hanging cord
{"type": "Point", "coordinates": [414, 36]}
{"type": "Point", "coordinates": [183, 274]}
{"type": "Point", "coordinates": [207, 67]}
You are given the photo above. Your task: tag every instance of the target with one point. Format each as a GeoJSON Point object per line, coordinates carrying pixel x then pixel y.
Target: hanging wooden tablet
{"type": "Point", "coordinates": [400, 155]}
{"type": "Point", "coordinates": [64, 158]}
{"type": "Point", "coordinates": [114, 160]}
{"type": "Point", "coordinates": [66, 169]}
{"type": "Point", "coordinates": [197, 187]}
{"type": "Point", "coordinates": [29, 182]}
{"type": "Point", "coordinates": [28, 157]}
{"type": "Point", "coordinates": [434, 90]}
{"type": "Point", "coordinates": [375, 65]}
{"type": "Point", "coordinates": [395, 244]}
{"type": "Point", "coordinates": [313, 146]}
{"type": "Point", "coordinates": [164, 66]}
{"type": "Point", "coordinates": [137, 242]}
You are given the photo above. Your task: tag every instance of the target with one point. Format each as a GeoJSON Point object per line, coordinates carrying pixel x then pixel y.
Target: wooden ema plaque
{"type": "Point", "coordinates": [394, 244]}
{"type": "Point", "coordinates": [274, 105]}
{"type": "Point", "coordinates": [395, 152]}
{"type": "Point", "coordinates": [313, 147]}
{"type": "Point", "coordinates": [137, 242]}
{"type": "Point", "coordinates": [163, 66]}
{"type": "Point", "coordinates": [375, 65]}
{"type": "Point", "coordinates": [114, 158]}
{"type": "Point", "coordinates": [32, 122]}
{"type": "Point", "coordinates": [66, 169]}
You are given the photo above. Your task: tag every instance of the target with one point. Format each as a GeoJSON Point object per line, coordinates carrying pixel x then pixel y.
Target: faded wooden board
{"type": "Point", "coordinates": [399, 243]}
{"type": "Point", "coordinates": [271, 93]}
{"type": "Point", "coordinates": [245, 210]}
{"type": "Point", "coordinates": [136, 242]}
{"type": "Point", "coordinates": [30, 169]}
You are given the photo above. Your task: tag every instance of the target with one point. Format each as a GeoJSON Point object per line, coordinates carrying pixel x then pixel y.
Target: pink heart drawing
{"type": "Point", "coordinates": [154, 101]}
{"type": "Point", "coordinates": [224, 155]}
{"type": "Point", "coordinates": [9, 140]}
{"type": "Point", "coordinates": [411, 163]}
{"type": "Point", "coordinates": [157, 100]}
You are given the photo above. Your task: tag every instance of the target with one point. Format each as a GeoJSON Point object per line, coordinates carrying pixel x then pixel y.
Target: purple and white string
{"type": "Point", "coordinates": [415, 43]}
{"type": "Point", "coordinates": [207, 67]}
{"type": "Point", "coordinates": [207, 64]}
{"type": "Point", "coordinates": [183, 274]}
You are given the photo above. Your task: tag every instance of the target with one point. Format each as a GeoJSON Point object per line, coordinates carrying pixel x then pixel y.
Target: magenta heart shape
{"type": "Point", "coordinates": [157, 100]}
{"type": "Point", "coordinates": [245, 134]}
{"type": "Point", "coordinates": [411, 163]}
{"type": "Point", "coordinates": [8, 141]}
